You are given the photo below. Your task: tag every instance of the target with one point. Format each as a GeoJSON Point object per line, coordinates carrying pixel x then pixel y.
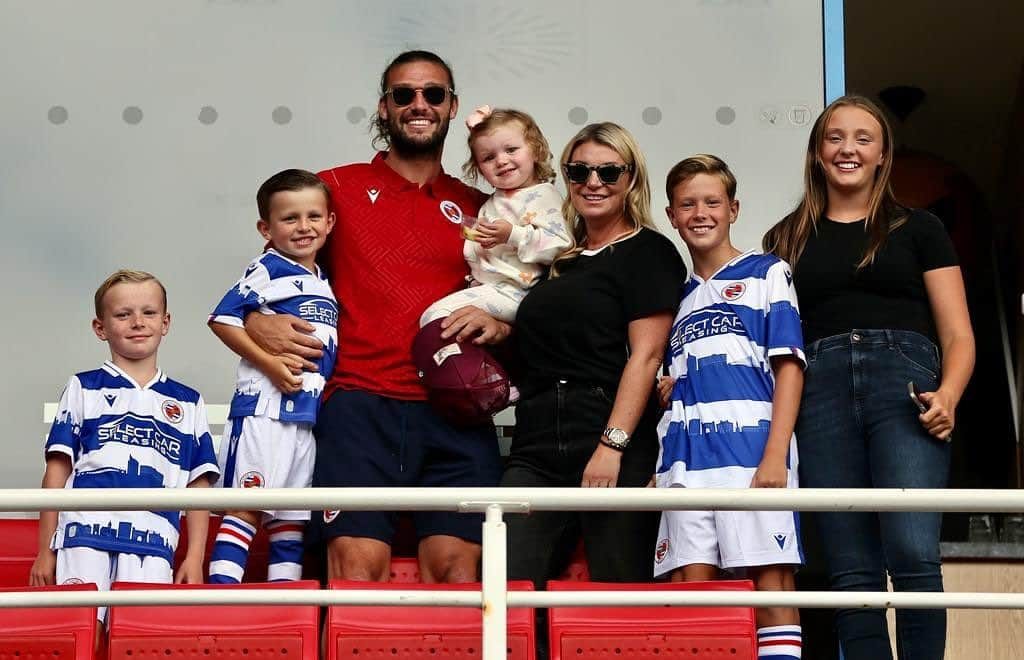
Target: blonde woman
{"type": "Point", "coordinates": [883, 308]}
{"type": "Point", "coordinates": [591, 339]}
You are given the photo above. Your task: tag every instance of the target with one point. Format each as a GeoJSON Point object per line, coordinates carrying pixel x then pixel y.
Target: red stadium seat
{"type": "Point", "coordinates": [18, 551]}
{"type": "Point", "coordinates": [421, 633]}
{"type": "Point", "coordinates": [216, 631]}
{"type": "Point", "coordinates": [49, 632]}
{"type": "Point", "coordinates": [701, 633]}
{"type": "Point", "coordinates": [405, 570]}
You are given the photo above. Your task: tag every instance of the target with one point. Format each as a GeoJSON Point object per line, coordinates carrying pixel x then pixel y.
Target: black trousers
{"type": "Point", "coordinates": [557, 430]}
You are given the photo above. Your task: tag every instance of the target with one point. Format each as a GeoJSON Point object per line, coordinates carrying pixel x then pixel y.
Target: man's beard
{"type": "Point", "coordinates": [412, 148]}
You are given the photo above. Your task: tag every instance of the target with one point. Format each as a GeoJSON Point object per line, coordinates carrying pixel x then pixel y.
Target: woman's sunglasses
{"type": "Point", "coordinates": [432, 94]}
{"type": "Point", "coordinates": [608, 173]}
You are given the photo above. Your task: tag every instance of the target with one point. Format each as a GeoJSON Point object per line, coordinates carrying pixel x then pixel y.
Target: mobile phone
{"type": "Point", "coordinates": [915, 396]}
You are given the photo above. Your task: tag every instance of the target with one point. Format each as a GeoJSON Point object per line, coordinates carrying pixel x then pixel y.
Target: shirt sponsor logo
{"type": "Point", "coordinates": [705, 324]}
{"type": "Point", "coordinates": [172, 411]}
{"type": "Point", "coordinates": [319, 311]}
{"type": "Point", "coordinates": [734, 291]}
{"type": "Point", "coordinates": [451, 211]}
{"type": "Point", "coordinates": [140, 432]}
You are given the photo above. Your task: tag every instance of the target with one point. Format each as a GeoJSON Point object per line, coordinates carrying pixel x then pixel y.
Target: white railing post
{"type": "Point", "coordinates": [495, 585]}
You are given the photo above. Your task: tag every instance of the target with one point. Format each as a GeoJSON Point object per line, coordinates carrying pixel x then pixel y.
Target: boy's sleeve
{"type": "Point", "coordinates": [784, 336]}
{"type": "Point", "coordinates": [204, 459]}
{"type": "Point", "coordinates": [543, 234]}
{"type": "Point", "coordinates": [244, 297]}
{"type": "Point", "coordinates": [66, 430]}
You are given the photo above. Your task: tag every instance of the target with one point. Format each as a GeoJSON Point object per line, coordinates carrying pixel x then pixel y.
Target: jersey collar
{"type": "Point", "coordinates": [440, 187]}
{"type": "Point", "coordinates": [114, 370]}
{"type": "Point", "coordinates": [735, 260]}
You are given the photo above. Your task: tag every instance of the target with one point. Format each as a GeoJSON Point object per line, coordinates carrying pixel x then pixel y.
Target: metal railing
{"type": "Point", "coordinates": [494, 598]}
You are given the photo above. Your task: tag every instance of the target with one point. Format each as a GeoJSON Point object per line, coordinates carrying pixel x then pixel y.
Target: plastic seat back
{"type": "Point", "coordinates": [48, 632]}
{"type": "Point", "coordinates": [421, 633]}
{"type": "Point", "coordinates": [18, 550]}
{"type": "Point", "coordinates": [219, 631]}
{"type": "Point", "coordinates": [700, 633]}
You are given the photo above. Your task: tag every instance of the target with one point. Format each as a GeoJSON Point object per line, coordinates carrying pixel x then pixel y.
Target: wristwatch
{"type": "Point", "coordinates": [615, 438]}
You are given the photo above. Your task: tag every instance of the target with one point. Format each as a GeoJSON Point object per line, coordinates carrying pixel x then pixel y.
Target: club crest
{"type": "Point", "coordinates": [451, 211]}
{"type": "Point", "coordinates": [734, 291]}
{"type": "Point", "coordinates": [661, 551]}
{"type": "Point", "coordinates": [172, 411]}
{"type": "Point", "coordinates": [252, 480]}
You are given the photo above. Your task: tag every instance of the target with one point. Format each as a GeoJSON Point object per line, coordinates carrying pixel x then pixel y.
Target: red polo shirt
{"type": "Point", "coordinates": [396, 248]}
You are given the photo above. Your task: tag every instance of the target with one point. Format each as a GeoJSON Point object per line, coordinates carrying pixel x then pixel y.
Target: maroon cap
{"type": "Point", "coordinates": [465, 384]}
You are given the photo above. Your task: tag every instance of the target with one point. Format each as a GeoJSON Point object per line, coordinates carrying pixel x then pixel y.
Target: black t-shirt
{"type": "Point", "coordinates": [836, 298]}
{"type": "Point", "coordinates": [575, 327]}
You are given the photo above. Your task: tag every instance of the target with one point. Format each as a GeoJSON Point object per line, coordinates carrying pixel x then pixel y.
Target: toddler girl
{"type": "Point", "coordinates": [520, 229]}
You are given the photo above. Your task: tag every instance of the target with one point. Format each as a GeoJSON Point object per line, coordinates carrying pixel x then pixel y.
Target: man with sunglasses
{"type": "Point", "coordinates": [396, 249]}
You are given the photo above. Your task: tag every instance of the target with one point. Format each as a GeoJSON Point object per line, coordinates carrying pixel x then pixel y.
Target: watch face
{"type": "Point", "coordinates": [617, 435]}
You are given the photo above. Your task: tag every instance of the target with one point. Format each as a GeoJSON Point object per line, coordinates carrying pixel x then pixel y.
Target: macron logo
{"type": "Point", "coordinates": [781, 540]}
{"type": "Point", "coordinates": [372, 193]}
{"type": "Point", "coordinates": [298, 284]}
{"type": "Point", "coordinates": [111, 398]}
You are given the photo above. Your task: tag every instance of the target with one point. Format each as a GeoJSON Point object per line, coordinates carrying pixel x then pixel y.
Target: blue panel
{"type": "Point", "coordinates": [835, 49]}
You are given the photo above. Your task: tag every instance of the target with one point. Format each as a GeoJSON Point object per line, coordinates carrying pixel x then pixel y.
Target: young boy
{"type": "Point", "coordinates": [125, 425]}
{"type": "Point", "coordinates": [736, 372]}
{"type": "Point", "coordinates": [275, 405]}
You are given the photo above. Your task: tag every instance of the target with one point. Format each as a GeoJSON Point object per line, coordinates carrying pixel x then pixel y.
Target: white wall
{"type": "Point", "coordinates": [134, 134]}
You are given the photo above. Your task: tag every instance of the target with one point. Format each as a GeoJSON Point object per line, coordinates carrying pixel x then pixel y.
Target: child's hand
{"type": "Point", "coordinates": [44, 569]}
{"type": "Point", "coordinates": [283, 370]}
{"type": "Point", "coordinates": [665, 385]}
{"type": "Point", "coordinates": [190, 571]}
{"type": "Point", "coordinates": [770, 474]}
{"type": "Point", "coordinates": [493, 232]}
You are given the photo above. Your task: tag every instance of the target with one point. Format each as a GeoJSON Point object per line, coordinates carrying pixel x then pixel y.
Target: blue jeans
{"type": "Point", "coordinates": [858, 428]}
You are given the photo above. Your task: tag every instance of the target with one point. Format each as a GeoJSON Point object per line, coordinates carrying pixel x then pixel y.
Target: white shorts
{"type": "Point", "coordinates": [267, 453]}
{"type": "Point", "coordinates": [84, 565]}
{"type": "Point", "coordinates": [727, 539]}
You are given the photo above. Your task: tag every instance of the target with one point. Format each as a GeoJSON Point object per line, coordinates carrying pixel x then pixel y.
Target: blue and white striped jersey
{"type": "Point", "coordinates": [274, 284]}
{"type": "Point", "coordinates": [120, 434]}
{"type": "Point", "coordinates": [727, 329]}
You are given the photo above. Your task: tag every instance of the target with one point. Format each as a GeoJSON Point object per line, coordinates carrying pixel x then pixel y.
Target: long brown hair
{"type": "Point", "coordinates": [788, 238]}
{"type": "Point", "coordinates": [638, 196]}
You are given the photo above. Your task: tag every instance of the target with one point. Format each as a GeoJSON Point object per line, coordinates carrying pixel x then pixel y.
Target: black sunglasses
{"type": "Point", "coordinates": [608, 173]}
{"type": "Point", "coordinates": [432, 94]}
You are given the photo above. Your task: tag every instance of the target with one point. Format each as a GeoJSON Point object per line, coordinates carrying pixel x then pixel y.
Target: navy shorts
{"type": "Point", "coordinates": [366, 440]}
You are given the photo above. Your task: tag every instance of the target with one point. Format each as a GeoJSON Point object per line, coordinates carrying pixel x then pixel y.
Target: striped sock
{"type": "Point", "coordinates": [286, 549]}
{"type": "Point", "coordinates": [230, 551]}
{"type": "Point", "coordinates": [779, 643]}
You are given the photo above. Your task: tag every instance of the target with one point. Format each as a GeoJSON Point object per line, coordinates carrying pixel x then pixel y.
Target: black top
{"type": "Point", "coordinates": [575, 327]}
{"type": "Point", "coordinates": [889, 294]}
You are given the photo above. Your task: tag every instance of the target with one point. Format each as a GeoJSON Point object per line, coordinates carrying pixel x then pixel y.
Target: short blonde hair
{"type": "Point", "coordinates": [538, 144]}
{"type": "Point", "coordinates": [637, 208]}
{"type": "Point", "coordinates": [125, 276]}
